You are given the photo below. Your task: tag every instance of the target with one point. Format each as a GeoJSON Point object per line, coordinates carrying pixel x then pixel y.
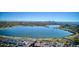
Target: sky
{"type": "Point", "coordinates": [40, 16]}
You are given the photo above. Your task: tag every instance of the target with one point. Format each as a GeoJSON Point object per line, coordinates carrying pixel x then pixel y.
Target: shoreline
{"type": "Point", "coordinates": [38, 38]}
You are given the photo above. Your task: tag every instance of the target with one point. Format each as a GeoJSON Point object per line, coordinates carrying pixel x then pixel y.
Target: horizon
{"type": "Point", "coordinates": [40, 16]}
{"type": "Point", "coordinates": [40, 21]}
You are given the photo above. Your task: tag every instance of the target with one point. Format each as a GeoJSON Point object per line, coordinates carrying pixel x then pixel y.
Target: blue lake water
{"type": "Point", "coordinates": [35, 32]}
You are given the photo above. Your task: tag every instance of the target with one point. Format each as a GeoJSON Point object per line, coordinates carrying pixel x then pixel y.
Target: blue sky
{"type": "Point", "coordinates": [40, 16]}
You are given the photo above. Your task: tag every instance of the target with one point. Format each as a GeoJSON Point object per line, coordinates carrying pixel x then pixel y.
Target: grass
{"type": "Point", "coordinates": [74, 38]}
{"type": "Point", "coordinates": [2, 28]}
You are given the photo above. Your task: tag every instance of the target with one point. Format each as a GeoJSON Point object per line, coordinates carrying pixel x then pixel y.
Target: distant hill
{"type": "Point", "coordinates": [37, 23]}
{"type": "Point", "coordinates": [68, 23]}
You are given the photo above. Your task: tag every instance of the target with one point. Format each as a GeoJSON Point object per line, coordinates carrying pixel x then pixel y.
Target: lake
{"type": "Point", "coordinates": [35, 32]}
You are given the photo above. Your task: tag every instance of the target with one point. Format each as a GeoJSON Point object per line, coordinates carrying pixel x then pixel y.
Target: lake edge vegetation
{"type": "Point", "coordinates": [71, 28]}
